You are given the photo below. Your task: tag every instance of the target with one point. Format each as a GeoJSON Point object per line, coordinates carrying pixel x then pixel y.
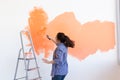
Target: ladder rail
{"type": "Point", "coordinates": [25, 63]}
{"type": "Point", "coordinates": [29, 60]}
{"type": "Point", "coordinates": [17, 64]}
{"type": "Point", "coordinates": [33, 50]}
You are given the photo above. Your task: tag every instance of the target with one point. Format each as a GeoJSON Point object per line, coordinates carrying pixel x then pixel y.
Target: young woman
{"type": "Point", "coordinates": [59, 62]}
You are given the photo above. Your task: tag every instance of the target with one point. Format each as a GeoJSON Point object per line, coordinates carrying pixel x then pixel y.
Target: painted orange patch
{"type": "Point", "coordinates": [88, 37]}
{"type": "Point", "coordinates": [37, 27]}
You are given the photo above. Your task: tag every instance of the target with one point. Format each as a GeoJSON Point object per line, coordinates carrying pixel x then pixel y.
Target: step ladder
{"type": "Point", "coordinates": [27, 57]}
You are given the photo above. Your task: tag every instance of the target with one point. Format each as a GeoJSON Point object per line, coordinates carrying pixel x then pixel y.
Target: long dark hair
{"type": "Point", "coordinates": [65, 39]}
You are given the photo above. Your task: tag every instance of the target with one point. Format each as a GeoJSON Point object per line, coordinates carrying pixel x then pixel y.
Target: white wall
{"type": "Point", "coordinates": [13, 18]}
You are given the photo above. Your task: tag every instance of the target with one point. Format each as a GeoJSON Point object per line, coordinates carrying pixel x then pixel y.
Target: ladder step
{"type": "Point", "coordinates": [39, 78]}
{"type": "Point", "coordinates": [28, 53]}
{"type": "Point", "coordinates": [26, 58]}
{"type": "Point", "coordinates": [31, 69]}
{"type": "Point", "coordinates": [20, 78]}
{"type": "Point", "coordinates": [29, 45]}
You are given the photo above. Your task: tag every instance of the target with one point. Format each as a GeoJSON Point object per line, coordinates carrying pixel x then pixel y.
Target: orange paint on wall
{"type": "Point", "coordinates": [88, 37]}
{"type": "Point", "coordinates": [37, 27]}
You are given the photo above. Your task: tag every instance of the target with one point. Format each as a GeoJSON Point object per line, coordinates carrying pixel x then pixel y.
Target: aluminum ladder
{"type": "Point", "coordinates": [27, 60]}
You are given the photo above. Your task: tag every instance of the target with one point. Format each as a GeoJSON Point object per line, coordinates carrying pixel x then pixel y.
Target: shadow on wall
{"type": "Point", "coordinates": [88, 37]}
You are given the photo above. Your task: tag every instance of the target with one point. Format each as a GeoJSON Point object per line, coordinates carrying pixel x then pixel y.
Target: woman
{"type": "Point", "coordinates": [59, 62]}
